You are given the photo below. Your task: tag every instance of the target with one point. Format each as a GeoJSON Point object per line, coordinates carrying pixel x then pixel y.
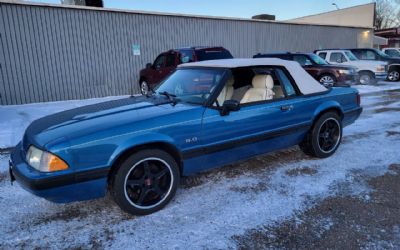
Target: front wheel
{"type": "Point", "coordinates": [393, 76]}
{"type": "Point", "coordinates": [327, 80]}
{"type": "Point", "coordinates": [144, 87]}
{"type": "Point", "coordinates": [324, 137]}
{"type": "Point", "coordinates": [366, 78]}
{"type": "Point", "coordinates": [145, 182]}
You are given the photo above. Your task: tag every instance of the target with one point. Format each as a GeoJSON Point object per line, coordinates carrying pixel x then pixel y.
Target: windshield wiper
{"type": "Point", "coordinates": [170, 97]}
{"type": "Point", "coordinates": [150, 92]}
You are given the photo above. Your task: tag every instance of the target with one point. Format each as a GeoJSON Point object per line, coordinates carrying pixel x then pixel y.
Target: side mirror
{"type": "Point", "coordinates": [148, 65]}
{"type": "Point", "coordinates": [228, 106]}
{"type": "Point", "coordinates": [339, 60]}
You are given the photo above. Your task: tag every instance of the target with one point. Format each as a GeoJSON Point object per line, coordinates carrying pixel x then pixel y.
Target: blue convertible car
{"type": "Point", "coordinates": [204, 115]}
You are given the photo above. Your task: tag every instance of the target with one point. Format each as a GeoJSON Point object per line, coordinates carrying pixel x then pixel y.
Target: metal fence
{"type": "Point", "coordinates": [51, 53]}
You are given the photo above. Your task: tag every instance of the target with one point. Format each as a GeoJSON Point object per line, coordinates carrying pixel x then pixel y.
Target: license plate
{"type": "Point", "coordinates": [12, 178]}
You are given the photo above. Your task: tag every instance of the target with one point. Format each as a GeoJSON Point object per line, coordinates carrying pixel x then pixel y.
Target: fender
{"type": "Point", "coordinates": [139, 140]}
{"type": "Point", "coordinates": [325, 106]}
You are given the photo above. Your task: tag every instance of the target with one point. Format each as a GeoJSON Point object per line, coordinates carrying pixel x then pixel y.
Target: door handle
{"type": "Point", "coordinates": [287, 108]}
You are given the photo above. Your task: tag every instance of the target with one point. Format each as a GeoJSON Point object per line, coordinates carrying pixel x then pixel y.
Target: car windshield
{"type": "Point", "coordinates": [191, 85]}
{"type": "Point", "coordinates": [318, 60]}
{"type": "Point", "coordinates": [351, 56]}
{"type": "Point", "coordinates": [393, 52]}
{"type": "Point", "coordinates": [380, 53]}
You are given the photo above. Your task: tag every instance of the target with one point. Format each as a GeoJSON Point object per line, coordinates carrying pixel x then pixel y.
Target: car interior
{"type": "Point", "coordinates": [248, 85]}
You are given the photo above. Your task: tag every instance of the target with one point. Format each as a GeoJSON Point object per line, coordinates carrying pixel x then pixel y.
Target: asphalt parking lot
{"type": "Point", "coordinates": [279, 200]}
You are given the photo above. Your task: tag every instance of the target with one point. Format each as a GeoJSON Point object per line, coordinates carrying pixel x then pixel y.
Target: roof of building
{"type": "Point", "coordinates": [19, 2]}
{"type": "Point", "coordinates": [306, 83]}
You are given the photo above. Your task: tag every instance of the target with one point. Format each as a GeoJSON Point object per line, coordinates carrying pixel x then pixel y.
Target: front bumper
{"type": "Point", "coordinates": [60, 187]}
{"type": "Point", "coordinates": [381, 76]}
{"type": "Point", "coordinates": [349, 79]}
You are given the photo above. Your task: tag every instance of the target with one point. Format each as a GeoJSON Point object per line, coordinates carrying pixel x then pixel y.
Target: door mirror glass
{"type": "Point", "coordinates": [230, 105]}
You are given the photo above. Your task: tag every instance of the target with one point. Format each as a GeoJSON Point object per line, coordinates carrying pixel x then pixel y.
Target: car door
{"type": "Point", "coordinates": [157, 69]}
{"type": "Point", "coordinates": [256, 128]}
{"type": "Point", "coordinates": [171, 61]}
{"type": "Point", "coordinates": [337, 58]}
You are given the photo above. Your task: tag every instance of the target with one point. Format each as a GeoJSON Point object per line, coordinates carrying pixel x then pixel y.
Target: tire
{"type": "Point", "coordinates": [367, 78]}
{"type": "Point", "coordinates": [145, 182]}
{"type": "Point", "coordinates": [144, 87]}
{"type": "Point", "coordinates": [327, 80]}
{"type": "Point", "coordinates": [316, 144]}
{"type": "Point", "coordinates": [394, 75]}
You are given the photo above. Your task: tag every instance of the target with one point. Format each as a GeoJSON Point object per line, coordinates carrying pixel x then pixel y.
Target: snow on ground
{"type": "Point", "coordinates": [380, 86]}
{"type": "Point", "coordinates": [16, 118]}
{"type": "Point", "coordinates": [220, 203]}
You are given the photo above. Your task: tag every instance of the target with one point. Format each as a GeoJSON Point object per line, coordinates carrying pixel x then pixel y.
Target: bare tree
{"type": "Point", "coordinates": [387, 14]}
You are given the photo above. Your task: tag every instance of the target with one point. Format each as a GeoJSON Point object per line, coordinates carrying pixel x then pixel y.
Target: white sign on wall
{"type": "Point", "coordinates": [136, 49]}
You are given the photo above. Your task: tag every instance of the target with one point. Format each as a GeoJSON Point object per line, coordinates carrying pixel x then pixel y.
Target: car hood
{"type": "Point", "coordinates": [110, 115]}
{"type": "Point", "coordinates": [368, 63]}
{"type": "Point", "coordinates": [336, 67]}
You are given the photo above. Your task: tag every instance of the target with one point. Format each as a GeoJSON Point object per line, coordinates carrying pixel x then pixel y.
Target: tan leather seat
{"type": "Point", "coordinates": [261, 90]}
{"type": "Point", "coordinates": [227, 91]}
{"type": "Point", "coordinates": [278, 92]}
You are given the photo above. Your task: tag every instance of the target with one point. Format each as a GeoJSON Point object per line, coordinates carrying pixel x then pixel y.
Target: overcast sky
{"type": "Point", "coordinates": [282, 9]}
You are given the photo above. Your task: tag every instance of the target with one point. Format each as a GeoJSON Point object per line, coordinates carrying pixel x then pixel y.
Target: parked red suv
{"type": "Point", "coordinates": [327, 74]}
{"type": "Point", "coordinates": [166, 62]}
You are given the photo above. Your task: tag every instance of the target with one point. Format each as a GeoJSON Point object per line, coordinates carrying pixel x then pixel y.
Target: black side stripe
{"type": "Point", "coordinates": [192, 153]}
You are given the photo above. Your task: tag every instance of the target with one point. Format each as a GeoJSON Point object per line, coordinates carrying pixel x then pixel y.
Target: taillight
{"type": "Point", "coordinates": [358, 99]}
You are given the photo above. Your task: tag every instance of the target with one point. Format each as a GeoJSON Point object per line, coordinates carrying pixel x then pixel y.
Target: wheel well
{"type": "Point", "coordinates": [366, 71]}
{"type": "Point", "coordinates": [156, 145]}
{"type": "Point", "coordinates": [333, 109]}
{"type": "Point", "coordinates": [394, 67]}
{"type": "Point", "coordinates": [326, 74]}
{"type": "Point", "coordinates": [141, 79]}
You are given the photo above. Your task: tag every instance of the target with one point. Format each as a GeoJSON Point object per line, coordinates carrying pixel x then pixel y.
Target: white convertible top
{"type": "Point", "coordinates": [306, 83]}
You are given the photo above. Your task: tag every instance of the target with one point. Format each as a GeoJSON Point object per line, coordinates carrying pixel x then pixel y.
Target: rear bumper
{"type": "Point", "coordinates": [352, 115]}
{"type": "Point", "coordinates": [60, 187]}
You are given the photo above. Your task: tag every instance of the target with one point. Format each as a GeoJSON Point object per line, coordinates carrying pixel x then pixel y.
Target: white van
{"type": "Point", "coordinates": [370, 71]}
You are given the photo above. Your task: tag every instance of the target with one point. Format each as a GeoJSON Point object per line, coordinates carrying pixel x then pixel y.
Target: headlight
{"type": "Point", "coordinates": [381, 68]}
{"type": "Point", "coordinates": [345, 71]}
{"type": "Point", "coordinates": [44, 161]}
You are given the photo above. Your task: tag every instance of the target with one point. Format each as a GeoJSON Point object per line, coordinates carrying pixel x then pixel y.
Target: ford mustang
{"type": "Point", "coordinates": [204, 115]}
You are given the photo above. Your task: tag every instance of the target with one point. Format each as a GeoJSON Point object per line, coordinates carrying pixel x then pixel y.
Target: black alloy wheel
{"type": "Point", "coordinates": [148, 183]}
{"type": "Point", "coordinates": [329, 135]}
{"type": "Point", "coordinates": [145, 182]}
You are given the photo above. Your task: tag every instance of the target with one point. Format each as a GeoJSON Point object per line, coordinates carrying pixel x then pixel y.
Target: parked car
{"type": "Point", "coordinates": [377, 55]}
{"type": "Point", "coordinates": [204, 115]}
{"type": "Point", "coordinates": [392, 52]}
{"type": "Point", "coordinates": [166, 62]}
{"type": "Point", "coordinates": [328, 75]}
{"type": "Point", "coordinates": [368, 70]}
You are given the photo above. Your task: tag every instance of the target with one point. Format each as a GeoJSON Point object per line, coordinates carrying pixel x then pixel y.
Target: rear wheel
{"type": "Point", "coordinates": [394, 76]}
{"type": "Point", "coordinates": [145, 182]}
{"type": "Point", "coordinates": [327, 80]}
{"type": "Point", "coordinates": [325, 136]}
